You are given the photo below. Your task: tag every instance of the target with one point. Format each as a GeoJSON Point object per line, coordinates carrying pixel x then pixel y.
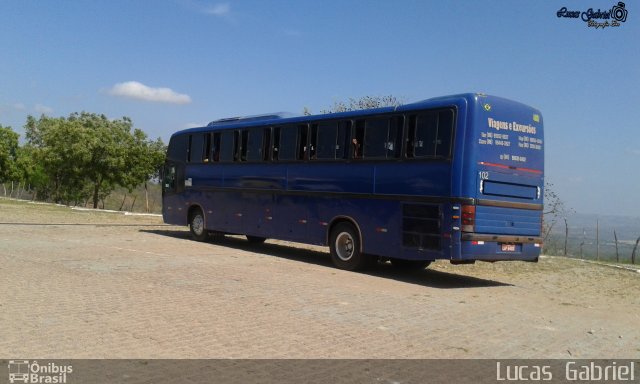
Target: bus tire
{"type": "Point", "coordinates": [344, 246]}
{"type": "Point", "coordinates": [196, 225]}
{"type": "Point", "coordinates": [413, 265]}
{"type": "Point", "coordinates": [256, 239]}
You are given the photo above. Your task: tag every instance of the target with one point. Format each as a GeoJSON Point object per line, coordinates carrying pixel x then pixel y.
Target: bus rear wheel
{"type": "Point", "coordinates": [344, 245]}
{"type": "Point", "coordinates": [196, 225]}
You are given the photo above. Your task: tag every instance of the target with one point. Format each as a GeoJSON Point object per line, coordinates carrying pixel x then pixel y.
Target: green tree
{"type": "Point", "coordinates": [144, 159]}
{"type": "Point", "coordinates": [88, 155]}
{"type": "Point", "coordinates": [8, 155]}
{"type": "Point", "coordinates": [365, 102]}
{"type": "Point", "coordinates": [555, 210]}
{"type": "Point", "coordinates": [32, 173]}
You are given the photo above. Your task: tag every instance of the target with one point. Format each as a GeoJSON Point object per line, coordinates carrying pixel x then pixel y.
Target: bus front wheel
{"type": "Point", "coordinates": [344, 245]}
{"type": "Point", "coordinates": [196, 226]}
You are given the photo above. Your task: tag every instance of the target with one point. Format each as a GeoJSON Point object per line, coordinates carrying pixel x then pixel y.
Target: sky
{"type": "Point", "coordinates": [174, 64]}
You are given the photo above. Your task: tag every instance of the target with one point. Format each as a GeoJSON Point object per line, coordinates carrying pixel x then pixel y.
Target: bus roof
{"type": "Point", "coordinates": [288, 118]}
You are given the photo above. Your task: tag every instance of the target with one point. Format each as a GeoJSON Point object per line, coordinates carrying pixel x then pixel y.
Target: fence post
{"type": "Point", "coordinates": [566, 235]}
{"type": "Point", "coordinates": [633, 254]}
{"type": "Point", "coordinates": [615, 236]}
{"type": "Point", "coordinates": [597, 239]}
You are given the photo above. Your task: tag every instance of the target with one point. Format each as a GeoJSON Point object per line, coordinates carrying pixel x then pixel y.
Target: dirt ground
{"type": "Point", "coordinates": [82, 284]}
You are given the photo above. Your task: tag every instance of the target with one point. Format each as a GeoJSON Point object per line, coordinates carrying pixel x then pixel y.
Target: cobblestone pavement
{"type": "Point", "coordinates": [87, 285]}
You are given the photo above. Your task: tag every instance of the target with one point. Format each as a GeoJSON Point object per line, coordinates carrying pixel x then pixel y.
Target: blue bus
{"type": "Point", "coordinates": [459, 178]}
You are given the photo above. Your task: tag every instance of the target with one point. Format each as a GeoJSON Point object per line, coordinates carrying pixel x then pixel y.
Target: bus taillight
{"type": "Point", "coordinates": [468, 218]}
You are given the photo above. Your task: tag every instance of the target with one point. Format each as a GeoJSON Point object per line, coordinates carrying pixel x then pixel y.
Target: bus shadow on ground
{"type": "Point", "coordinates": [426, 277]}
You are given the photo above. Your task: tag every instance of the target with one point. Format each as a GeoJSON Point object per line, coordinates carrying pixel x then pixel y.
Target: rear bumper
{"type": "Point", "coordinates": [502, 238]}
{"type": "Point", "coordinates": [487, 247]}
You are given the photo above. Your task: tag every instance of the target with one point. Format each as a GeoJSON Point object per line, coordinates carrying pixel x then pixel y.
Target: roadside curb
{"type": "Point", "coordinates": [623, 267]}
{"type": "Point", "coordinates": [126, 213]}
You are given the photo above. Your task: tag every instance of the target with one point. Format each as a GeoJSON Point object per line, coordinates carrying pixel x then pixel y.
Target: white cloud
{"type": "Point", "coordinates": [221, 9]}
{"type": "Point", "coordinates": [19, 107]}
{"type": "Point", "coordinates": [43, 109]}
{"type": "Point", "coordinates": [139, 91]}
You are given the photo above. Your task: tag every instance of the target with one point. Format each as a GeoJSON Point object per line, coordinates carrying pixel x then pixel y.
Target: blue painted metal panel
{"type": "Point", "coordinates": [507, 221]}
{"type": "Point", "coordinates": [297, 201]}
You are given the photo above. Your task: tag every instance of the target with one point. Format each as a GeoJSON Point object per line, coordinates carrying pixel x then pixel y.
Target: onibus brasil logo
{"type": "Point", "coordinates": [24, 371]}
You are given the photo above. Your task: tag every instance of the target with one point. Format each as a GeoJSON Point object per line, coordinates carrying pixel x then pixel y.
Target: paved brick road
{"type": "Point", "coordinates": [133, 289]}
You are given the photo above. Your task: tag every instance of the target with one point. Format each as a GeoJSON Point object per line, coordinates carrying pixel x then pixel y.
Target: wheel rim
{"type": "Point", "coordinates": [197, 225]}
{"type": "Point", "coordinates": [344, 246]}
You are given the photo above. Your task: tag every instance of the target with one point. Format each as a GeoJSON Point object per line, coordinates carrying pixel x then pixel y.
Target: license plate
{"type": "Point", "coordinates": [508, 247]}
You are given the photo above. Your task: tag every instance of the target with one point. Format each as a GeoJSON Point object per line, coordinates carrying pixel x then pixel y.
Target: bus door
{"type": "Point", "coordinates": [172, 187]}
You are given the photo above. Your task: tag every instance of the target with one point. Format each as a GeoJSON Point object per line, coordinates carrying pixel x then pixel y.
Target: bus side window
{"type": "Point", "coordinates": [426, 131]}
{"type": "Point", "coordinates": [357, 140]}
{"type": "Point", "coordinates": [303, 143]}
{"type": "Point", "coordinates": [276, 143]}
{"type": "Point", "coordinates": [206, 155]}
{"type": "Point", "coordinates": [244, 144]}
{"type": "Point", "coordinates": [215, 154]}
{"type": "Point", "coordinates": [178, 148]}
{"type": "Point", "coordinates": [266, 144]}
{"type": "Point", "coordinates": [445, 133]}
{"type": "Point", "coordinates": [313, 142]}
{"type": "Point", "coordinates": [169, 179]}
{"type": "Point", "coordinates": [227, 146]}
{"type": "Point", "coordinates": [432, 133]}
{"type": "Point", "coordinates": [326, 140]}
{"type": "Point", "coordinates": [196, 146]}
{"type": "Point", "coordinates": [411, 137]}
{"type": "Point", "coordinates": [288, 141]}
{"type": "Point", "coordinates": [375, 138]}
{"type": "Point", "coordinates": [237, 146]}
{"type": "Point", "coordinates": [343, 140]}
{"type": "Point", "coordinates": [394, 140]}
{"type": "Point", "coordinates": [189, 149]}
{"type": "Point", "coordinates": [254, 146]}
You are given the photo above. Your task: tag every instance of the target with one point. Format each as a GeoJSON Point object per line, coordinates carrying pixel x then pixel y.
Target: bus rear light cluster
{"type": "Point", "coordinates": [468, 218]}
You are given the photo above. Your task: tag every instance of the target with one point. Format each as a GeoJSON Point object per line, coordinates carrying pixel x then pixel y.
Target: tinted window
{"type": "Point", "coordinates": [254, 145]}
{"type": "Point", "coordinates": [375, 138]}
{"type": "Point", "coordinates": [431, 134]}
{"type": "Point", "coordinates": [304, 150]}
{"type": "Point", "coordinates": [332, 140]}
{"type": "Point", "coordinates": [196, 145]}
{"type": "Point", "coordinates": [445, 133]}
{"type": "Point", "coordinates": [288, 141]}
{"type": "Point", "coordinates": [169, 179]}
{"type": "Point", "coordinates": [378, 138]}
{"type": "Point", "coordinates": [215, 150]}
{"type": "Point", "coordinates": [207, 148]}
{"type": "Point", "coordinates": [326, 143]}
{"type": "Point", "coordinates": [178, 148]}
{"type": "Point", "coordinates": [227, 146]}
